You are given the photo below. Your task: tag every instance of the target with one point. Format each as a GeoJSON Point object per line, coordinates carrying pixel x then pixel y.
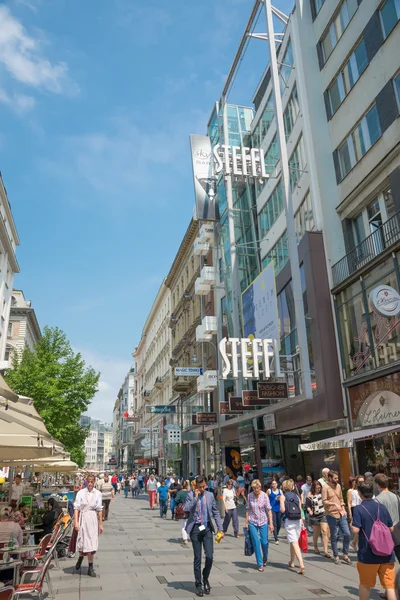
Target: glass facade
{"type": "Point", "coordinates": [297, 163]}
{"type": "Point", "coordinates": [286, 67]}
{"type": "Point", "coordinates": [389, 15]}
{"type": "Point", "coordinates": [348, 76]}
{"type": "Point", "coordinates": [271, 211]}
{"type": "Point", "coordinates": [368, 340]}
{"type": "Point", "coordinates": [291, 112]}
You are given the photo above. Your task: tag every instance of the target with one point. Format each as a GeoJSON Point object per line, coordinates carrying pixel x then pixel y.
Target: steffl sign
{"type": "Point", "coordinates": [239, 161]}
{"type": "Point", "coordinates": [245, 355]}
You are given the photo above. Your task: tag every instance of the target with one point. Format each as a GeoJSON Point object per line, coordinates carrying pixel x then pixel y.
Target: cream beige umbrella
{"type": "Point", "coordinates": [6, 392]}
{"type": "Point", "coordinates": [63, 466]}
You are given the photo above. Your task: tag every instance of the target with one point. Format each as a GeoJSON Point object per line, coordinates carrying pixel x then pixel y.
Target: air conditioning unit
{"type": "Point", "coordinates": [206, 232]}
{"type": "Point", "coordinates": [201, 336]}
{"type": "Point", "coordinates": [201, 248]}
{"type": "Point", "coordinates": [210, 325]}
{"type": "Point", "coordinates": [201, 288]}
{"type": "Point", "coordinates": [208, 275]}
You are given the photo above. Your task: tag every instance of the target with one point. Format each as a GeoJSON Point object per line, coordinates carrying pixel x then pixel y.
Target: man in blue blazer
{"type": "Point", "coordinates": [200, 506]}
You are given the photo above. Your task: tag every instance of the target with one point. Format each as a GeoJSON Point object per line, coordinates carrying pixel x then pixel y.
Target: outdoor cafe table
{"type": "Point", "coordinates": [12, 564]}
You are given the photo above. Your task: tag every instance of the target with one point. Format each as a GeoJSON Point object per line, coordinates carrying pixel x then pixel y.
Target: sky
{"type": "Point", "coordinates": [97, 101]}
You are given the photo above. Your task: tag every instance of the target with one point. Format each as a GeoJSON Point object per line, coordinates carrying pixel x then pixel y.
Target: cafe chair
{"type": "Point", "coordinates": [40, 556]}
{"type": "Point", "coordinates": [7, 593]}
{"type": "Point", "coordinates": [38, 576]}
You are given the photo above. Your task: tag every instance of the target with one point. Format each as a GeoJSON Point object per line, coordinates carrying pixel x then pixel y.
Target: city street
{"type": "Point", "coordinates": [141, 557]}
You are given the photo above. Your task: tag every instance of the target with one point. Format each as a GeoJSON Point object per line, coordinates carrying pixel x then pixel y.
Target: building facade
{"type": "Point", "coordinates": [95, 454]}
{"type": "Point", "coordinates": [23, 328]}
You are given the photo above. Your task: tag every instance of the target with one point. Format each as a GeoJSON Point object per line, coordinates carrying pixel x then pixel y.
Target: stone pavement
{"type": "Point", "coordinates": [141, 556]}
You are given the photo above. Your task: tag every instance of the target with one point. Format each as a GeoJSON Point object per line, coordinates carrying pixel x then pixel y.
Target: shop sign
{"type": "Point", "coordinates": [385, 301]}
{"type": "Point", "coordinates": [246, 435]}
{"type": "Point", "coordinates": [236, 405]}
{"type": "Point", "coordinates": [272, 390]}
{"type": "Point", "coordinates": [260, 306]}
{"type": "Point", "coordinates": [269, 422]}
{"type": "Point", "coordinates": [240, 161]}
{"type": "Point", "coordinates": [224, 408]}
{"type": "Point", "coordinates": [149, 430]}
{"type": "Point", "coordinates": [132, 419]}
{"type": "Point", "coordinates": [376, 403]}
{"type": "Point", "coordinates": [206, 418]}
{"type": "Point", "coordinates": [251, 398]}
{"type": "Point", "coordinates": [160, 409]}
{"type": "Point", "coordinates": [250, 352]}
{"type": "Point", "coordinates": [188, 371]}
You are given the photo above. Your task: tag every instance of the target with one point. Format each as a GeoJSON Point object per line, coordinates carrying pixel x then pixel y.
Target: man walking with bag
{"type": "Point", "coordinates": [336, 516]}
{"type": "Point", "coordinates": [375, 545]}
{"type": "Point", "coordinates": [392, 503]}
{"type": "Point", "coordinates": [201, 508]}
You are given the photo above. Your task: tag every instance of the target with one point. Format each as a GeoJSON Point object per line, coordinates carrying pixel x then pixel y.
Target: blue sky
{"type": "Point", "coordinates": [97, 100]}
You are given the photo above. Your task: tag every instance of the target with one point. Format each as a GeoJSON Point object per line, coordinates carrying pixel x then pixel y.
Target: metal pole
{"type": "Point", "coordinates": [289, 213]}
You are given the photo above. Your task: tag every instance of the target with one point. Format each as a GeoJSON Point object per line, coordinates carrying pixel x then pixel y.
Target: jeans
{"type": "Point", "coordinates": [172, 505]}
{"type": "Point", "coordinates": [335, 525]}
{"type": "Point", "coordinates": [126, 491]}
{"type": "Point", "coordinates": [259, 539]}
{"type": "Point", "coordinates": [163, 507]}
{"type": "Point", "coordinates": [277, 519]}
{"type": "Point", "coordinates": [231, 514]}
{"type": "Point", "coordinates": [135, 492]}
{"type": "Point", "coordinates": [201, 539]}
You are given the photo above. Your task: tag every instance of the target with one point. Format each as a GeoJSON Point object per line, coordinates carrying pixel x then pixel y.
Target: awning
{"type": "Point", "coordinates": [346, 440]}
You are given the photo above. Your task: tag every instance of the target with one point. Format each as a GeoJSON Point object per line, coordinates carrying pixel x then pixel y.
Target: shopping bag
{"type": "Point", "coordinates": [303, 540]}
{"type": "Point", "coordinates": [248, 544]}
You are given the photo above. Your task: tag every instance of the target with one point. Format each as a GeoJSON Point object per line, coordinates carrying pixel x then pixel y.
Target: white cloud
{"type": "Point", "coordinates": [18, 103]}
{"type": "Point", "coordinates": [21, 56]}
{"type": "Point", "coordinates": [113, 371]}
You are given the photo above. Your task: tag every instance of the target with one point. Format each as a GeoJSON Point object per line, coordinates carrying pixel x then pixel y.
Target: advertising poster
{"type": "Point", "coordinates": [233, 461]}
{"type": "Point", "coordinates": [260, 308]}
{"type": "Point", "coordinates": [204, 178]}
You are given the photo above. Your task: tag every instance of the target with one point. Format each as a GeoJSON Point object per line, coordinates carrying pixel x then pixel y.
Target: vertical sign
{"type": "Point", "coordinates": [260, 308]}
{"type": "Point", "coordinates": [204, 179]}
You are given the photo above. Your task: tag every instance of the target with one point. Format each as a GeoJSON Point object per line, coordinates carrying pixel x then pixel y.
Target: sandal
{"type": "Point", "coordinates": [261, 569]}
{"type": "Point", "coordinates": [327, 555]}
{"type": "Point", "coordinates": [316, 551]}
{"type": "Point", "coordinates": [291, 565]}
{"type": "Point", "coordinates": [346, 560]}
{"type": "Point", "coordinates": [301, 571]}
{"type": "Point", "coordinates": [265, 562]}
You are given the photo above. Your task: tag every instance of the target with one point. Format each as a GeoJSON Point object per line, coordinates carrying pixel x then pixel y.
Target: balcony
{"type": "Point", "coordinates": [182, 384]}
{"type": "Point", "coordinates": [201, 335]}
{"type": "Point", "coordinates": [201, 288]}
{"type": "Point", "coordinates": [386, 236]}
{"type": "Point", "coordinates": [201, 248]}
{"type": "Point", "coordinates": [208, 275]}
{"type": "Point", "coordinates": [210, 325]}
{"type": "Point", "coordinates": [158, 383]}
{"type": "Point", "coordinates": [206, 233]}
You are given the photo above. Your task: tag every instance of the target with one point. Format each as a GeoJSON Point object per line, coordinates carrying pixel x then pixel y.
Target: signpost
{"type": "Point", "coordinates": [269, 390]}
{"type": "Point", "coordinates": [206, 418]}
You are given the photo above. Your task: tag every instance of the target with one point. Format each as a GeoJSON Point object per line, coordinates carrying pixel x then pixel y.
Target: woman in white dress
{"type": "Point", "coordinates": [88, 522]}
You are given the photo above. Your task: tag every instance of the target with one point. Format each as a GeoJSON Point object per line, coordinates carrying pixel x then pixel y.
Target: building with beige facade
{"type": "Point", "coordinates": [23, 328]}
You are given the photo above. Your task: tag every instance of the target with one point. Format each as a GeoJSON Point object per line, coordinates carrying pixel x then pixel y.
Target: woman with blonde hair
{"type": "Point", "coordinates": [258, 516]}
{"type": "Point", "coordinates": [292, 521]}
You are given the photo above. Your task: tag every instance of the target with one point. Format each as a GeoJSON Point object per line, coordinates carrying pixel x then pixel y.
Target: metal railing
{"type": "Point", "coordinates": [380, 240]}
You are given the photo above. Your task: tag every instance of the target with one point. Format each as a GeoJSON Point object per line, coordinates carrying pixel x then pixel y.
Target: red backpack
{"type": "Point", "coordinates": [380, 541]}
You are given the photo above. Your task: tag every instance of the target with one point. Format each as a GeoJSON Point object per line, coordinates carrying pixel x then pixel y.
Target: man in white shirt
{"type": "Point", "coordinates": [17, 490]}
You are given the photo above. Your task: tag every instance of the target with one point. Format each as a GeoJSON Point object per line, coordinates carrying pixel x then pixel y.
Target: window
{"type": "Point", "coordinates": [9, 330]}
{"type": "Point", "coordinates": [304, 218]}
{"type": "Point", "coordinates": [360, 140]}
{"type": "Point", "coordinates": [286, 66]}
{"type": "Point", "coordinates": [267, 117]}
{"type": "Point", "coordinates": [291, 112]}
{"type": "Point", "coordinates": [271, 210]}
{"type": "Point", "coordinates": [318, 5]}
{"type": "Point", "coordinates": [348, 76]}
{"type": "Point", "coordinates": [390, 15]}
{"type": "Point", "coordinates": [297, 163]}
{"type": "Point", "coordinates": [396, 83]}
{"type": "Point", "coordinates": [279, 253]}
{"type": "Point", "coordinates": [337, 27]}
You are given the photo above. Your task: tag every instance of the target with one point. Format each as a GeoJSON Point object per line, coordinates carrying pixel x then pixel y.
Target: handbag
{"type": "Point", "coordinates": [179, 512]}
{"type": "Point", "coordinates": [396, 529]}
{"type": "Point", "coordinates": [303, 540]}
{"type": "Point", "coordinates": [248, 544]}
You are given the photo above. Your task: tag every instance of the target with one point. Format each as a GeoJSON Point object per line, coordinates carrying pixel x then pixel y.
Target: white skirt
{"type": "Point", "coordinates": [293, 529]}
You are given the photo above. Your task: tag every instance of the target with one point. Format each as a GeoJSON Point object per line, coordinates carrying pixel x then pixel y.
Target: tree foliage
{"type": "Point", "coordinates": [61, 386]}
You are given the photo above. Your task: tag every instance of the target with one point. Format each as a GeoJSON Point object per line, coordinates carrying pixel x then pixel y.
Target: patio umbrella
{"type": "Point", "coordinates": [23, 413]}
{"type": "Point", "coordinates": [18, 442]}
{"type": "Point", "coordinates": [64, 466]}
{"type": "Point", "coordinates": [6, 391]}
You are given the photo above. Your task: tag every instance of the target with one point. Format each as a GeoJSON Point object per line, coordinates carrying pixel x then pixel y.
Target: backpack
{"type": "Point", "coordinates": [380, 541]}
{"type": "Point", "coordinates": [292, 506]}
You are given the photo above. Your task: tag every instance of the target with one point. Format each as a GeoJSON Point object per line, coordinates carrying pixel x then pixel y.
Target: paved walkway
{"type": "Point", "coordinates": [141, 557]}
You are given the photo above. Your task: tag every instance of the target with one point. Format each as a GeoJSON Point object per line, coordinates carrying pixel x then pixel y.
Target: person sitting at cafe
{"type": "Point", "coordinates": [8, 526]}
{"type": "Point", "coordinates": [49, 518]}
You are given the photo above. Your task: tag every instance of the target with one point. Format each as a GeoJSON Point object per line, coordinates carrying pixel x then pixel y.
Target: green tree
{"type": "Point", "coordinates": [61, 386]}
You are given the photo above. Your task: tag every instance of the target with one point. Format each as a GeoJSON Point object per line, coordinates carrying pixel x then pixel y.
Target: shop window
{"type": "Point", "coordinates": [390, 16]}
{"type": "Point", "coordinates": [348, 76]}
{"type": "Point", "coordinates": [337, 27]}
{"type": "Point", "coordinates": [291, 112]}
{"type": "Point", "coordinates": [359, 141]}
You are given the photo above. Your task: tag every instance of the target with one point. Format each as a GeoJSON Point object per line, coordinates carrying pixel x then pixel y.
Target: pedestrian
{"type": "Point", "coordinates": [152, 491]}
{"type": "Point", "coordinates": [324, 476]}
{"type": "Point", "coordinates": [114, 481]}
{"type": "Point", "coordinates": [118, 487]}
{"type": "Point", "coordinates": [240, 492]}
{"type": "Point", "coordinates": [134, 484]}
{"type": "Point", "coordinates": [126, 487]}
{"type": "Point", "coordinates": [369, 564]}
{"type": "Point", "coordinates": [162, 497]}
{"type": "Point", "coordinates": [316, 511]}
{"type": "Point", "coordinates": [390, 501]}
{"type": "Point", "coordinates": [229, 500]}
{"type": "Point", "coordinates": [107, 495]}
{"type": "Point", "coordinates": [353, 500]}
{"type": "Point", "coordinates": [247, 482]}
{"type": "Point", "coordinates": [201, 507]}
{"type": "Point", "coordinates": [180, 515]}
{"type": "Point", "coordinates": [210, 486]}
{"type": "Point", "coordinates": [292, 522]}
{"type": "Point", "coordinates": [258, 516]}
{"type": "Point", "coordinates": [88, 520]}
{"type": "Point", "coordinates": [274, 493]}
{"type": "Point", "coordinates": [305, 490]}
{"type": "Point", "coordinates": [299, 482]}
{"type": "Point", "coordinates": [336, 516]}
{"type": "Point", "coordinates": [174, 488]}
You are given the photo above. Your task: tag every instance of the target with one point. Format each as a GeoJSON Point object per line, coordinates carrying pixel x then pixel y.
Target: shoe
{"type": "Point", "coordinates": [277, 542]}
{"type": "Point", "coordinates": [79, 563]}
{"type": "Point", "coordinates": [91, 571]}
{"type": "Point", "coordinates": [261, 569]}
{"type": "Point", "coordinates": [265, 562]}
{"type": "Point", "coordinates": [199, 591]}
{"type": "Point", "coordinates": [336, 560]}
{"type": "Point", "coordinates": [346, 560]}
{"type": "Point", "coordinates": [206, 586]}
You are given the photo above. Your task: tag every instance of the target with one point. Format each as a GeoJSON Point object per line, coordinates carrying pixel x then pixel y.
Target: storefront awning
{"type": "Point", "coordinates": [346, 440]}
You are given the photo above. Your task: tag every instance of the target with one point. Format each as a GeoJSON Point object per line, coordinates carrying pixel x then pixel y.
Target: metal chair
{"type": "Point", "coordinates": [39, 575]}
{"type": "Point", "coordinates": [40, 556]}
{"type": "Point", "coordinates": [7, 593]}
